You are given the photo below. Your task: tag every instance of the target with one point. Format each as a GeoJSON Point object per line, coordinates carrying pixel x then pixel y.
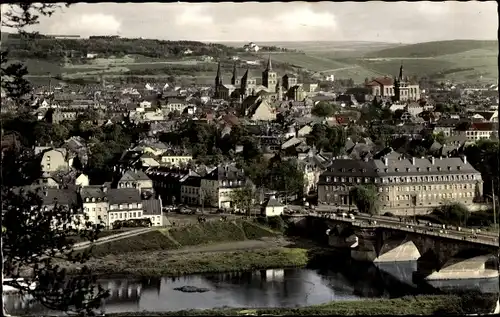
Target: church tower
{"type": "Point", "coordinates": [244, 84]}
{"type": "Point", "coordinates": [279, 90]}
{"type": "Point", "coordinates": [269, 78]}
{"type": "Point", "coordinates": [234, 79]}
{"type": "Point", "coordinates": [218, 82]}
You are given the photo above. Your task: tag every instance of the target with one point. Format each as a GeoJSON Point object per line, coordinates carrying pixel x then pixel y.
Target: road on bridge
{"type": "Point", "coordinates": [425, 229]}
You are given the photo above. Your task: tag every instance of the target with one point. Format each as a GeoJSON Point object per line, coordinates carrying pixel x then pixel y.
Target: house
{"type": "Point", "coordinates": [168, 182]}
{"type": "Point", "coordinates": [272, 207]}
{"type": "Point", "coordinates": [261, 111]}
{"type": "Point", "coordinates": [190, 191]}
{"type": "Point", "coordinates": [82, 180]}
{"type": "Point", "coordinates": [305, 130]}
{"type": "Point", "coordinates": [485, 116]}
{"type": "Point", "coordinates": [479, 130]}
{"type": "Point", "coordinates": [175, 104]}
{"type": "Point", "coordinates": [218, 185]}
{"type": "Point", "coordinates": [51, 197]}
{"type": "Point", "coordinates": [152, 209]}
{"type": "Point", "coordinates": [176, 157]}
{"type": "Point", "coordinates": [135, 179]}
{"type": "Point", "coordinates": [124, 203]}
{"type": "Point", "coordinates": [95, 203]}
{"type": "Point", "coordinates": [53, 160]}
{"type": "Point", "coordinates": [148, 160]}
{"type": "Point", "coordinates": [446, 126]}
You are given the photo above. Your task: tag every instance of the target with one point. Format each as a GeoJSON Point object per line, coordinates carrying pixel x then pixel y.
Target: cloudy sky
{"type": "Point", "coordinates": [297, 21]}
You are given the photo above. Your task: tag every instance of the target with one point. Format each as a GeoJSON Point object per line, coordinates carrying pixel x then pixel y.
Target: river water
{"type": "Point", "coordinates": [265, 288]}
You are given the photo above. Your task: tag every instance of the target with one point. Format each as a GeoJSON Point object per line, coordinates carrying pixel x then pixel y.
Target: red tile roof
{"type": "Point", "coordinates": [384, 81]}
{"type": "Point", "coordinates": [484, 126]}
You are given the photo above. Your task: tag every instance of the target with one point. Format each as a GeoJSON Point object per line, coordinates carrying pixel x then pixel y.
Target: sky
{"type": "Point", "coordinates": [405, 22]}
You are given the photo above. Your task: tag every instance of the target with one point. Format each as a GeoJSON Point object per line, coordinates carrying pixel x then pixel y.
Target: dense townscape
{"type": "Point", "coordinates": [113, 169]}
{"type": "Point", "coordinates": [128, 152]}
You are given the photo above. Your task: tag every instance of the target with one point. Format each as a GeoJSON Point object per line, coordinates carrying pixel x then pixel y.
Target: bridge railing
{"type": "Point", "coordinates": [493, 241]}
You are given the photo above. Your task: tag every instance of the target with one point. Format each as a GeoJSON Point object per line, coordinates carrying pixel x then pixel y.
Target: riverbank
{"type": "Point", "coordinates": [225, 257]}
{"type": "Point", "coordinates": [211, 247]}
{"type": "Point", "coordinates": [441, 305]}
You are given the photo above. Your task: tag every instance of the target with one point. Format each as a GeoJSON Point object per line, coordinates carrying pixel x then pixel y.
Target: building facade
{"type": "Point", "coordinates": [403, 184]}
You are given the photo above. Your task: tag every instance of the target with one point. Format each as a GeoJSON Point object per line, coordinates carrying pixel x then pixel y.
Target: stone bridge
{"type": "Point", "coordinates": [439, 255]}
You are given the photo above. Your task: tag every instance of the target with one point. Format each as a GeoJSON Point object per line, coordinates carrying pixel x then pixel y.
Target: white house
{"type": "Point", "coordinates": [82, 180]}
{"type": "Point", "coordinates": [272, 207]}
{"type": "Point", "coordinates": [95, 203]}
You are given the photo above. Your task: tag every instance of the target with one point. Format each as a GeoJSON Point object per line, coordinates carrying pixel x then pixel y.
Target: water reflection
{"type": "Point", "coordinates": [266, 288]}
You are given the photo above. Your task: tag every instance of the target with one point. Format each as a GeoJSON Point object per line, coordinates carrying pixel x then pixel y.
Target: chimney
{"type": "Point", "coordinates": [433, 160]}
{"type": "Point", "coordinates": [386, 161]}
{"type": "Point", "coordinates": [465, 159]}
{"type": "Point", "coordinates": [104, 188]}
{"type": "Point", "coordinates": [45, 193]}
{"type": "Point", "coordinates": [413, 161]}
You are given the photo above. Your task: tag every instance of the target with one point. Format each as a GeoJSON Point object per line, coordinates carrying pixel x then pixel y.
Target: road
{"type": "Point", "coordinates": [115, 237]}
{"type": "Point", "coordinates": [338, 69]}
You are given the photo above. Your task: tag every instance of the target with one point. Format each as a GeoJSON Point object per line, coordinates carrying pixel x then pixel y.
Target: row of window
{"type": "Point", "coordinates": [410, 188]}
{"type": "Point", "coordinates": [435, 196]}
{"type": "Point", "coordinates": [94, 199]}
{"type": "Point", "coordinates": [126, 206]}
{"type": "Point", "coordinates": [190, 190]}
{"type": "Point", "coordinates": [404, 179]}
{"type": "Point", "coordinates": [126, 215]}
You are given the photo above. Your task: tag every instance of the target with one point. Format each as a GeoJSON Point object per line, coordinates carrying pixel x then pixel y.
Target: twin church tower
{"type": "Point", "coordinates": [244, 87]}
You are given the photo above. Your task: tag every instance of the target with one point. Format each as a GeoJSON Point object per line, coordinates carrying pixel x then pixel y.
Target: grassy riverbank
{"type": "Point", "coordinates": [190, 235]}
{"type": "Point", "coordinates": [198, 248]}
{"type": "Point", "coordinates": [165, 263]}
{"type": "Point", "coordinates": [441, 305]}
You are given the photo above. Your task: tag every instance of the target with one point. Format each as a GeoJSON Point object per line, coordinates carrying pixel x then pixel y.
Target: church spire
{"type": "Point", "coordinates": [269, 66]}
{"type": "Point", "coordinates": [218, 77]}
{"type": "Point", "coordinates": [235, 75]}
{"type": "Point", "coordinates": [401, 72]}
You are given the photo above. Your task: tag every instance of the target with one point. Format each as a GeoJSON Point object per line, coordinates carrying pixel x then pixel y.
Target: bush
{"type": "Point", "coordinates": [277, 223]}
{"type": "Point", "coordinates": [388, 214]}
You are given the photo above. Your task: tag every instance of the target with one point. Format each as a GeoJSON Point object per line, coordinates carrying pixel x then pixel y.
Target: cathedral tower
{"type": "Point", "coordinates": [234, 79]}
{"type": "Point", "coordinates": [218, 82]}
{"type": "Point", "coordinates": [269, 78]}
{"type": "Point", "coordinates": [279, 90]}
{"type": "Point", "coordinates": [244, 84]}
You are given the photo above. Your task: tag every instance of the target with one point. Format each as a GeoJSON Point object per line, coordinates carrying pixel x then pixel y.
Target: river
{"type": "Point", "coordinates": [265, 288]}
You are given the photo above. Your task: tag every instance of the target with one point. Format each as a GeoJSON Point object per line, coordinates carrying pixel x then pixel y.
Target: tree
{"type": "Point", "coordinates": [323, 109]}
{"type": "Point", "coordinates": [440, 138]}
{"type": "Point", "coordinates": [366, 198]}
{"type": "Point", "coordinates": [32, 238]}
{"type": "Point", "coordinates": [452, 213]}
{"type": "Point", "coordinates": [243, 198]}
{"type": "Point", "coordinates": [285, 176]}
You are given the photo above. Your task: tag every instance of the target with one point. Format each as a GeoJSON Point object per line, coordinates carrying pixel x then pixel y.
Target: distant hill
{"type": "Point", "coordinates": [47, 48]}
{"type": "Point", "coordinates": [433, 49]}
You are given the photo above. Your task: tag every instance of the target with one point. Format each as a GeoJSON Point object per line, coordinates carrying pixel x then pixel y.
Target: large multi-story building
{"type": "Point", "coordinates": [400, 88]}
{"type": "Point", "coordinates": [403, 184]}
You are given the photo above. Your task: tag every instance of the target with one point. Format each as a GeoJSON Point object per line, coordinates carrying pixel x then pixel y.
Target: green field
{"type": "Point", "coordinates": [435, 49]}
{"type": "Point", "coordinates": [460, 61]}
